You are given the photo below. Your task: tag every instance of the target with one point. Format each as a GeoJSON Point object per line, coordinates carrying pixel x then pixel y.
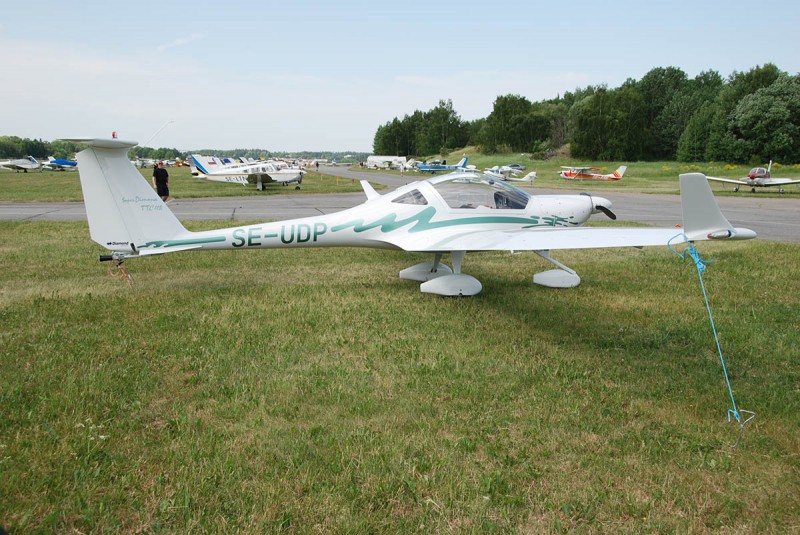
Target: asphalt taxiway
{"type": "Point", "coordinates": [776, 219]}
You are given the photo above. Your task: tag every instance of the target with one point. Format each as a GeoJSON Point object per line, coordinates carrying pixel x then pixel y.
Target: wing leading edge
{"type": "Point", "coordinates": [556, 238]}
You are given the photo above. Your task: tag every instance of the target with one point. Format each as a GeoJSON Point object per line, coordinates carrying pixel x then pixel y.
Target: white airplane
{"type": "Point", "coordinates": [145, 162]}
{"type": "Point", "coordinates": [450, 214]}
{"type": "Point", "coordinates": [60, 164]}
{"type": "Point", "coordinates": [21, 164]}
{"type": "Point", "coordinates": [210, 168]}
{"type": "Point", "coordinates": [504, 172]}
{"type": "Point", "coordinates": [758, 177]}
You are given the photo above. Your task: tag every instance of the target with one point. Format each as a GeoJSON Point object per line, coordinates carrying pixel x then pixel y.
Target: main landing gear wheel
{"type": "Point", "coordinates": [439, 279]}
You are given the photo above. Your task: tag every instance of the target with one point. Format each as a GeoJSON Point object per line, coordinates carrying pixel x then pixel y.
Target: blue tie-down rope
{"type": "Point", "coordinates": [742, 416]}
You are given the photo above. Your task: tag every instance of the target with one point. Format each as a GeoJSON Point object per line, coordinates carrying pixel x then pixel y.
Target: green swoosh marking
{"type": "Point", "coordinates": [174, 243]}
{"type": "Point", "coordinates": [422, 221]}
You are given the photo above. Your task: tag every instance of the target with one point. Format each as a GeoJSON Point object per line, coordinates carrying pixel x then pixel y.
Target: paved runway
{"type": "Point", "coordinates": [773, 219]}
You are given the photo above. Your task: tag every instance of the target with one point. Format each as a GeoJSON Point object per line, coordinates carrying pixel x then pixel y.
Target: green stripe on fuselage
{"type": "Point", "coordinates": [422, 221]}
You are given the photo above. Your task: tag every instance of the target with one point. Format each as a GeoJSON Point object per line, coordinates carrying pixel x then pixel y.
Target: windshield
{"type": "Point", "coordinates": [473, 191]}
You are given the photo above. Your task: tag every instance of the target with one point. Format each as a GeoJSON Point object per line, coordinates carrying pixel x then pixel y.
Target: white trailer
{"type": "Point", "coordinates": [386, 162]}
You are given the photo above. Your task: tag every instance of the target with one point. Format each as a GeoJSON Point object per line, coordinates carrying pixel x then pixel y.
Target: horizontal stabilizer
{"type": "Point", "coordinates": [103, 143]}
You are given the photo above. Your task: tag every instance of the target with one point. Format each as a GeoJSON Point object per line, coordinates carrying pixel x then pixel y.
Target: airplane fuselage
{"type": "Point", "coordinates": [386, 223]}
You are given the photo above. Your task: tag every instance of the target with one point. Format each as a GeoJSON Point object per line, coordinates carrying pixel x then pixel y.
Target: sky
{"type": "Point", "coordinates": [322, 76]}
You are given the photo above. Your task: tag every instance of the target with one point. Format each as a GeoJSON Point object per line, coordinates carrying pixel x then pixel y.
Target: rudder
{"type": "Point", "coordinates": [122, 209]}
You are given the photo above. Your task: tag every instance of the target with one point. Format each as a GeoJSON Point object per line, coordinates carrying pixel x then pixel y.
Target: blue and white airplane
{"type": "Point", "coordinates": [60, 164]}
{"type": "Point", "coordinates": [451, 215]}
{"type": "Point", "coordinates": [262, 172]}
{"type": "Point", "coordinates": [434, 167]}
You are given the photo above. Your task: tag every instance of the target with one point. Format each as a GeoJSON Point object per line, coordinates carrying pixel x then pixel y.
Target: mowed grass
{"type": "Point", "coordinates": [314, 391]}
{"type": "Point", "coordinates": [49, 186]}
{"type": "Point", "coordinates": [640, 177]}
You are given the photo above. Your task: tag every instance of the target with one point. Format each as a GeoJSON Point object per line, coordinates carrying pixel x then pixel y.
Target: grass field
{"type": "Point", "coordinates": [313, 391]}
{"type": "Point", "coordinates": [641, 177]}
{"type": "Point", "coordinates": [65, 186]}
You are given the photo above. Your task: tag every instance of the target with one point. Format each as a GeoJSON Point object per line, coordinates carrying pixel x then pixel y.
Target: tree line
{"type": "Point", "coordinates": [17, 147]}
{"type": "Point", "coordinates": [749, 116]}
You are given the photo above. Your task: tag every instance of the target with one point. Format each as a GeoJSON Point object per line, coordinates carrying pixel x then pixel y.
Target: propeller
{"type": "Point", "coordinates": [609, 213]}
{"type": "Point", "coordinates": [599, 207]}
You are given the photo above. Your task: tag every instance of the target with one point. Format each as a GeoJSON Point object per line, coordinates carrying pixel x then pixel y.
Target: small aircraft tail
{"type": "Point", "coordinates": [124, 212]}
{"type": "Point", "coordinates": [462, 163]}
{"type": "Point", "coordinates": [192, 166]}
{"type": "Point", "coordinates": [702, 218]}
{"type": "Point", "coordinates": [202, 164]}
{"type": "Point", "coordinates": [620, 171]}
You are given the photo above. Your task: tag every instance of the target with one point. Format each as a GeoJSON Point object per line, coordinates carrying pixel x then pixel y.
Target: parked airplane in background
{"type": "Point", "coordinates": [434, 167]}
{"type": "Point", "coordinates": [582, 173]}
{"type": "Point", "coordinates": [262, 172]}
{"type": "Point", "coordinates": [505, 172]}
{"type": "Point", "coordinates": [60, 164]}
{"type": "Point", "coordinates": [386, 162]}
{"type": "Point", "coordinates": [21, 164]}
{"type": "Point", "coordinates": [451, 214]}
{"type": "Point", "coordinates": [144, 162]}
{"type": "Point", "coordinates": [758, 177]}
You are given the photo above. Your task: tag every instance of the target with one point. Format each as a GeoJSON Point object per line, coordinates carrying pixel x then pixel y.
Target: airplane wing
{"type": "Point", "coordinates": [779, 181]}
{"type": "Point", "coordinates": [553, 239]}
{"type": "Point", "coordinates": [728, 180]}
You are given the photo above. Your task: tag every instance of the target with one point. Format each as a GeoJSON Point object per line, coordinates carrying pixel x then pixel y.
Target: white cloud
{"type": "Point", "coordinates": [181, 41]}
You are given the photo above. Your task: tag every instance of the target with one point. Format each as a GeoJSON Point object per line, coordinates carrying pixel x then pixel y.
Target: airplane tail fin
{"type": "Point", "coordinates": [462, 162]}
{"type": "Point", "coordinates": [769, 168]}
{"type": "Point", "coordinates": [203, 164]}
{"type": "Point", "coordinates": [192, 166]}
{"type": "Point", "coordinates": [702, 218]}
{"type": "Point", "coordinates": [620, 171]}
{"type": "Point", "coordinates": [124, 212]}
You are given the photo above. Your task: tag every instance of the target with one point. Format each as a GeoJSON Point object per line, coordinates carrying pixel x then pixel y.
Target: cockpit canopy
{"type": "Point", "coordinates": [468, 190]}
{"type": "Point", "coordinates": [474, 190]}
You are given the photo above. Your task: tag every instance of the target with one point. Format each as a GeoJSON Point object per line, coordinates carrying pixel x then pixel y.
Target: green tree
{"type": "Point", "coordinates": [768, 120]}
{"type": "Point", "coordinates": [693, 140]}
{"type": "Point", "coordinates": [670, 124]}
{"type": "Point", "coordinates": [722, 143]}
{"type": "Point", "coordinates": [440, 130]}
{"type": "Point", "coordinates": [507, 124]}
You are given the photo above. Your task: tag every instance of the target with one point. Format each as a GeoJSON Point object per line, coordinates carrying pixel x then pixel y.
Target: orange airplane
{"type": "Point", "coordinates": [582, 173]}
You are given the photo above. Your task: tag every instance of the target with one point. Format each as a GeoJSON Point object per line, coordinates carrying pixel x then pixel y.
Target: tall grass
{"type": "Point", "coordinates": [314, 391]}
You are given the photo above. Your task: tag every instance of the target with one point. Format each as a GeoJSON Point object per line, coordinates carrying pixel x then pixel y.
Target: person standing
{"type": "Point", "coordinates": [161, 181]}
